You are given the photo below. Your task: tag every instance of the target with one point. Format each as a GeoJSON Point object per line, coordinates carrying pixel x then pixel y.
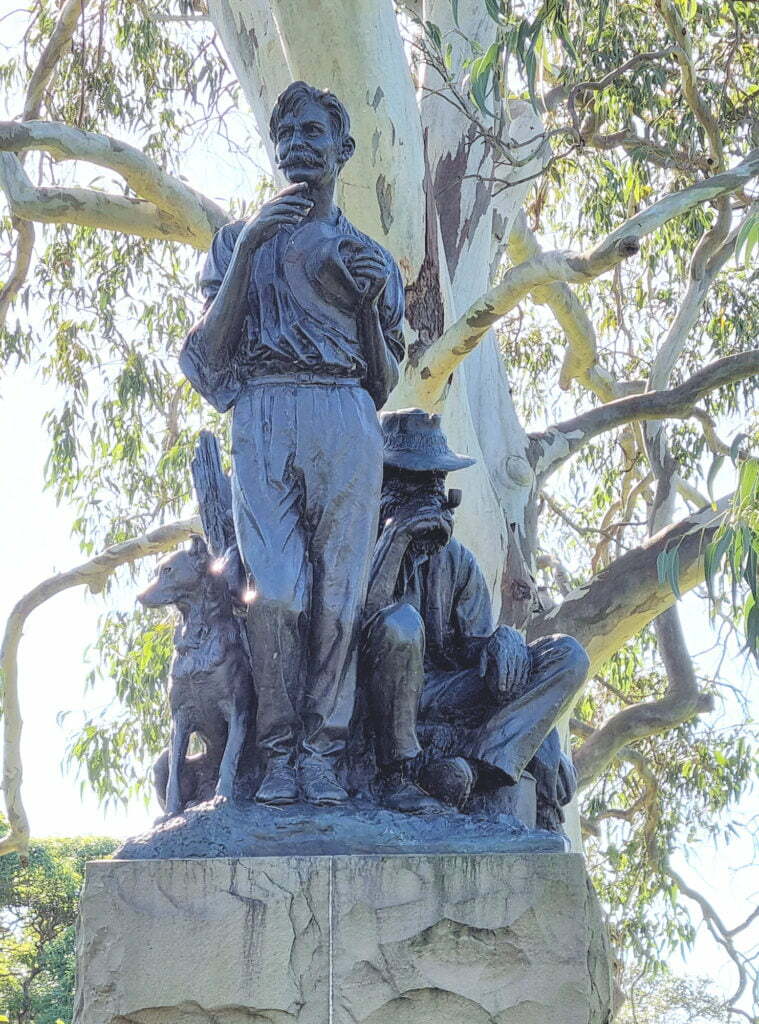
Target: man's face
{"type": "Point", "coordinates": [407, 495]}
{"type": "Point", "coordinates": [305, 145]}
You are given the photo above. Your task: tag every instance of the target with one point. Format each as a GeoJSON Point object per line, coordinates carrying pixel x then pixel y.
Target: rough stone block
{"type": "Point", "coordinates": [404, 939]}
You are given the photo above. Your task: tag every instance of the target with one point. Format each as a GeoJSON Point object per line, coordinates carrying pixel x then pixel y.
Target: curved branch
{"type": "Point", "coordinates": [65, 26]}
{"type": "Point", "coordinates": [23, 260]}
{"type": "Point", "coordinates": [560, 442]}
{"type": "Point", "coordinates": [197, 216]}
{"type": "Point", "coordinates": [683, 53]}
{"type": "Point", "coordinates": [87, 208]}
{"type": "Point", "coordinates": [720, 932]}
{"type": "Point", "coordinates": [444, 355]}
{"type": "Point", "coordinates": [613, 606]}
{"type": "Point", "coordinates": [602, 83]}
{"type": "Point", "coordinates": [39, 81]}
{"type": "Point", "coordinates": [581, 359]}
{"type": "Point", "coordinates": [93, 574]}
{"type": "Point", "coordinates": [654, 153]}
{"type": "Point", "coordinates": [682, 701]}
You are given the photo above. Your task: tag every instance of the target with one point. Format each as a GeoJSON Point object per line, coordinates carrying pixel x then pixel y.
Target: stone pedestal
{"type": "Point", "coordinates": [398, 939]}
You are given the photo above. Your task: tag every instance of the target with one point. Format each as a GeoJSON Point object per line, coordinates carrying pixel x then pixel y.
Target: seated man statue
{"type": "Point", "coordinates": [430, 654]}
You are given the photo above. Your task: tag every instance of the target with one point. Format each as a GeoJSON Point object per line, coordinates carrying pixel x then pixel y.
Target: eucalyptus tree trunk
{"type": "Point", "coordinates": [418, 184]}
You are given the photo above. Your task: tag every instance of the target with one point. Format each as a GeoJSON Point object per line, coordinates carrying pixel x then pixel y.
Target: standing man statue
{"type": "Point", "coordinates": [302, 337]}
{"type": "Point", "coordinates": [430, 654]}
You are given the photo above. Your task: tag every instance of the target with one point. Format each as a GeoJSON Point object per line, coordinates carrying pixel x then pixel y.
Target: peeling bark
{"type": "Point", "coordinates": [463, 336]}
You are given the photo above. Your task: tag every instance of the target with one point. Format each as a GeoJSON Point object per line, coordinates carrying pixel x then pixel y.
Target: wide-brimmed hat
{"type": "Point", "coordinates": [414, 440]}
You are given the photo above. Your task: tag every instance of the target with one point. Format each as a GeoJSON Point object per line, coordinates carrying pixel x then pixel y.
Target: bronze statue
{"type": "Point", "coordinates": [297, 582]}
{"type": "Point", "coordinates": [430, 653]}
{"type": "Point", "coordinates": [210, 685]}
{"type": "Point", "coordinates": [302, 337]}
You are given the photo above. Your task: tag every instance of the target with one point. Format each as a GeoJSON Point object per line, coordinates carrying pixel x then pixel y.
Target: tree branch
{"type": "Point", "coordinates": [683, 52]}
{"type": "Point", "coordinates": [194, 215]}
{"type": "Point", "coordinates": [93, 574]}
{"type": "Point", "coordinates": [613, 606]}
{"type": "Point", "coordinates": [709, 256]}
{"type": "Point", "coordinates": [657, 154]}
{"type": "Point", "coordinates": [65, 26]}
{"type": "Point", "coordinates": [86, 207]}
{"type": "Point", "coordinates": [581, 359]}
{"type": "Point", "coordinates": [681, 702]}
{"type": "Point", "coordinates": [602, 83]}
{"type": "Point", "coordinates": [39, 81]}
{"type": "Point", "coordinates": [21, 263]}
{"type": "Point", "coordinates": [443, 356]}
{"type": "Point", "coordinates": [561, 441]}
{"type": "Point", "coordinates": [720, 932]}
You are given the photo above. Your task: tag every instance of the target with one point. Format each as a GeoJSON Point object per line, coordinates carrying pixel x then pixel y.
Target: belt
{"type": "Point", "coordinates": [302, 378]}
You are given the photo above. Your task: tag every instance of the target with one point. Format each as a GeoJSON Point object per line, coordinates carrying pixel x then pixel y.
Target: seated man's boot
{"type": "Point", "coordinates": [398, 792]}
{"type": "Point", "coordinates": [450, 779]}
{"type": "Point", "coordinates": [319, 784]}
{"type": "Point", "coordinates": [279, 785]}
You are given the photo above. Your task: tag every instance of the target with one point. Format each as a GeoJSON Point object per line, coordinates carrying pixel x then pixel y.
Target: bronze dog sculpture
{"type": "Point", "coordinates": [210, 683]}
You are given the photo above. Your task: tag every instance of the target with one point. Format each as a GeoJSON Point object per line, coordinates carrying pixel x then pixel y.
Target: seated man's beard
{"type": "Point", "coordinates": [402, 507]}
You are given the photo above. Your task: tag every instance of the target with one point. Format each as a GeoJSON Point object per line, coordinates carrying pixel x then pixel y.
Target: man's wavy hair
{"type": "Point", "coordinates": [300, 92]}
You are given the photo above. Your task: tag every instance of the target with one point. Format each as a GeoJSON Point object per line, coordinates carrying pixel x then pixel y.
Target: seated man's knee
{"type": "Point", "coordinates": [574, 656]}
{"type": "Point", "coordinates": [397, 626]}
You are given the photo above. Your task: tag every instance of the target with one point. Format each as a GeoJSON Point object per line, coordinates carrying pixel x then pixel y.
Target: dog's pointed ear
{"type": "Point", "coordinates": [199, 551]}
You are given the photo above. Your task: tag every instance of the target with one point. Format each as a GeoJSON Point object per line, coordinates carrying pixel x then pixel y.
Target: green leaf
{"type": "Point", "coordinates": [455, 12]}
{"type": "Point", "coordinates": [433, 33]}
{"type": "Point", "coordinates": [717, 463]}
{"type": "Point", "coordinates": [668, 569]}
{"type": "Point", "coordinates": [479, 76]}
{"type": "Point", "coordinates": [713, 555]}
{"type": "Point", "coordinates": [495, 10]}
{"type": "Point", "coordinates": [752, 624]}
{"type": "Point", "coordinates": [748, 238]}
{"type": "Point", "coordinates": [748, 482]}
{"type": "Point", "coordinates": [735, 445]}
{"type": "Point", "coordinates": [522, 35]}
{"type": "Point", "coordinates": [603, 8]}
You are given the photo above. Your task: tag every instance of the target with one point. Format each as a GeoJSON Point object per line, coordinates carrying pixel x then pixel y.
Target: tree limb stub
{"type": "Point", "coordinates": [444, 355]}
{"type": "Point", "coordinates": [553, 447]}
{"type": "Point", "coordinates": [93, 574]}
{"type": "Point", "coordinates": [192, 217]}
{"type": "Point", "coordinates": [613, 606]}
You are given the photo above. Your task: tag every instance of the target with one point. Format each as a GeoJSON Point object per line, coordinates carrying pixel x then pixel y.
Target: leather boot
{"type": "Point", "coordinates": [279, 785]}
{"type": "Point", "coordinates": [319, 784]}
{"type": "Point", "coordinates": [398, 791]}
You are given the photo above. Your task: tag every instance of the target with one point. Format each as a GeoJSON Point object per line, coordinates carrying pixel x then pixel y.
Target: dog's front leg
{"type": "Point", "coordinates": [180, 737]}
{"type": "Point", "coordinates": [238, 727]}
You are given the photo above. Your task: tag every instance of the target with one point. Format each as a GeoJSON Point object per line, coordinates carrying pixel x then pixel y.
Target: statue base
{"type": "Point", "coordinates": [404, 939]}
{"type": "Point", "coordinates": [243, 828]}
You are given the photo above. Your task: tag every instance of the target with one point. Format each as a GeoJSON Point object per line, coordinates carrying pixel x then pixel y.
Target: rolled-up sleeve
{"type": "Point", "coordinates": [218, 259]}
{"type": "Point", "coordinates": [219, 386]}
{"type": "Point", "coordinates": [392, 308]}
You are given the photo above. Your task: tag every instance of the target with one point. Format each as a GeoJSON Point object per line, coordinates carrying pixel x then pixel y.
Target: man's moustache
{"type": "Point", "coordinates": [302, 157]}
